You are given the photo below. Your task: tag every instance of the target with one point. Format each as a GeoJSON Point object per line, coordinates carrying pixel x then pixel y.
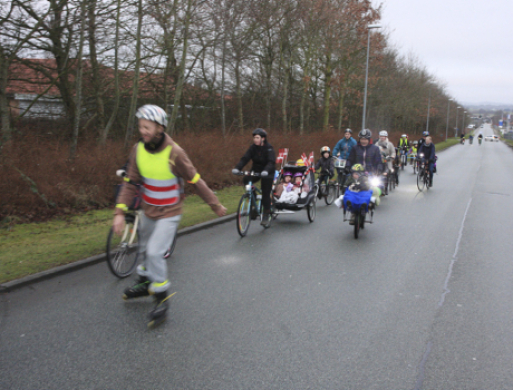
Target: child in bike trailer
{"type": "Point", "coordinates": [413, 152]}
{"type": "Point", "coordinates": [160, 165]}
{"type": "Point", "coordinates": [286, 184]}
{"type": "Point", "coordinates": [327, 166]}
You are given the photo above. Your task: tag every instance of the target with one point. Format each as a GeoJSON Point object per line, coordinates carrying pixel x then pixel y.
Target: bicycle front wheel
{"type": "Point", "coordinates": [244, 214]}
{"type": "Point", "coordinates": [420, 180]}
{"type": "Point", "coordinates": [122, 251]}
{"type": "Point", "coordinates": [332, 193]}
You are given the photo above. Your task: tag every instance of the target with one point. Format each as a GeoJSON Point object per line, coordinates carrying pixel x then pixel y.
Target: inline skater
{"type": "Point", "coordinates": [160, 165]}
{"type": "Point", "coordinates": [262, 154]}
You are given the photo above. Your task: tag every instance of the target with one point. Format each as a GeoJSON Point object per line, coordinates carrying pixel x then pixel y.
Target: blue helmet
{"type": "Point", "coordinates": [425, 133]}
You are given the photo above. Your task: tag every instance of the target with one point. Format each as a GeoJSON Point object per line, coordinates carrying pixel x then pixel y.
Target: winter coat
{"type": "Point", "coordinates": [428, 150]}
{"type": "Point", "coordinates": [263, 158]}
{"type": "Point", "coordinates": [372, 160]}
{"type": "Point", "coordinates": [326, 165]}
{"type": "Point", "coordinates": [344, 147]}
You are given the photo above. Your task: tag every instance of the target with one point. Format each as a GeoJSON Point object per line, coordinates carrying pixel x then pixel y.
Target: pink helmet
{"type": "Point", "coordinates": [298, 174]}
{"type": "Point", "coordinates": [287, 174]}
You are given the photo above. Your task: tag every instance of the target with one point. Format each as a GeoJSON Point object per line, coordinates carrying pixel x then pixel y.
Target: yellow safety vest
{"type": "Point", "coordinates": [161, 187]}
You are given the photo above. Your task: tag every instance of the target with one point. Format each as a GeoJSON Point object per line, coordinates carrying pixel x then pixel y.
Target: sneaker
{"type": "Point", "coordinates": [140, 289]}
{"type": "Point", "coordinates": [266, 216]}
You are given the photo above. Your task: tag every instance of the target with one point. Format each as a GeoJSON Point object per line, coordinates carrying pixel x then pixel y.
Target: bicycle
{"type": "Point", "coordinates": [250, 206]}
{"type": "Point", "coordinates": [423, 175]}
{"type": "Point", "coordinates": [404, 156]}
{"type": "Point", "coordinates": [329, 191]}
{"type": "Point", "coordinates": [122, 253]}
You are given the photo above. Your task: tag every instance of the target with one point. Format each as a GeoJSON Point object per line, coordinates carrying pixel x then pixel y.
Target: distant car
{"type": "Point", "coordinates": [482, 126]}
{"type": "Point", "coordinates": [489, 138]}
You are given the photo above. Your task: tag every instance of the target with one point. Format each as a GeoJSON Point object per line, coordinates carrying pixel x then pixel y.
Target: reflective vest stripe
{"type": "Point", "coordinates": [149, 187]}
{"type": "Point", "coordinates": [160, 202]}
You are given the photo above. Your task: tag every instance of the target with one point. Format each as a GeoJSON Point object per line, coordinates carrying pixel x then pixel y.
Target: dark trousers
{"type": "Point", "coordinates": [267, 185]}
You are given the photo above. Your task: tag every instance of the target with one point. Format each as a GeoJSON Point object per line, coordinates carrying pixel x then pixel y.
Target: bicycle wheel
{"type": "Point", "coordinates": [311, 210]}
{"type": "Point", "coordinates": [420, 180]}
{"type": "Point", "coordinates": [332, 192]}
{"type": "Point", "coordinates": [122, 251]}
{"type": "Point", "coordinates": [414, 167]}
{"type": "Point", "coordinates": [356, 224]}
{"type": "Point", "coordinates": [244, 215]}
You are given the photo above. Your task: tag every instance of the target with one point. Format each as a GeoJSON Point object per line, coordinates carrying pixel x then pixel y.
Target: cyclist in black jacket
{"type": "Point", "coordinates": [366, 154]}
{"type": "Point", "coordinates": [263, 157]}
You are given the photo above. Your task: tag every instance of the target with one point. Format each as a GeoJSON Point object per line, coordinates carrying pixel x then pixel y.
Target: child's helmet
{"type": "Point", "coordinates": [404, 136]}
{"type": "Point", "coordinates": [287, 174]}
{"type": "Point", "coordinates": [325, 149]}
{"type": "Point", "coordinates": [415, 142]}
{"type": "Point", "coordinates": [357, 168]}
{"type": "Point", "coordinates": [298, 174]}
{"type": "Point", "coordinates": [300, 163]}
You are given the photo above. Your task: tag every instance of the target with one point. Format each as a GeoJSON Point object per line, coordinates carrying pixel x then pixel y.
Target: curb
{"type": "Point", "coordinates": [67, 268]}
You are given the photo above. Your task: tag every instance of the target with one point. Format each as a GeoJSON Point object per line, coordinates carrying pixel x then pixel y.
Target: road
{"type": "Point", "coordinates": [422, 300]}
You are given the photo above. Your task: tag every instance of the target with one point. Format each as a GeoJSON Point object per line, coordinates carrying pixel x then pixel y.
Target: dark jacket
{"type": "Point", "coordinates": [263, 158]}
{"type": "Point", "coordinates": [326, 165]}
{"type": "Point", "coordinates": [428, 150]}
{"type": "Point", "coordinates": [372, 163]}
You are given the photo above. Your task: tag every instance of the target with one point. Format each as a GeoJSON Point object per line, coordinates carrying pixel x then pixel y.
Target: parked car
{"type": "Point", "coordinates": [488, 138]}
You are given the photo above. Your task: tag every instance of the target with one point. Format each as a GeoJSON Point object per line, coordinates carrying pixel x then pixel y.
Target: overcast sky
{"type": "Point", "coordinates": [465, 44]}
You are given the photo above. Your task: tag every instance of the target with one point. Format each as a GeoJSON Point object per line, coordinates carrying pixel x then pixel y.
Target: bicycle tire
{"type": "Point", "coordinates": [420, 180]}
{"type": "Point", "coordinates": [332, 192]}
{"type": "Point", "coordinates": [311, 210]}
{"type": "Point", "coordinates": [356, 224]}
{"type": "Point", "coordinates": [243, 215]}
{"type": "Point", "coordinates": [121, 256]}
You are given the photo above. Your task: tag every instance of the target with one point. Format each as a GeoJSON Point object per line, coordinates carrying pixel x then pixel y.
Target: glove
{"type": "Point", "coordinates": [235, 171]}
{"type": "Point", "coordinates": [264, 174]}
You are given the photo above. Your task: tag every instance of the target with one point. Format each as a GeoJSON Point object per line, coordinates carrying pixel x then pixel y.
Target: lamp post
{"type": "Point", "coordinates": [447, 126]}
{"type": "Point", "coordinates": [463, 124]}
{"type": "Point", "coordinates": [429, 107]}
{"type": "Point", "coordinates": [456, 128]}
{"type": "Point", "coordinates": [367, 73]}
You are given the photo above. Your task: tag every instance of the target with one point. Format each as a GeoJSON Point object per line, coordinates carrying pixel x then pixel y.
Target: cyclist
{"type": "Point", "coordinates": [422, 139]}
{"type": "Point", "coordinates": [480, 138]}
{"type": "Point", "coordinates": [413, 151]}
{"type": "Point", "coordinates": [387, 150]}
{"type": "Point", "coordinates": [160, 165]}
{"type": "Point", "coordinates": [403, 145]}
{"type": "Point", "coordinates": [344, 146]}
{"type": "Point", "coordinates": [262, 154]}
{"type": "Point", "coordinates": [366, 154]}
{"type": "Point", "coordinates": [327, 167]}
{"type": "Point", "coordinates": [428, 151]}
{"type": "Point", "coordinates": [470, 139]}
{"type": "Point", "coordinates": [462, 138]}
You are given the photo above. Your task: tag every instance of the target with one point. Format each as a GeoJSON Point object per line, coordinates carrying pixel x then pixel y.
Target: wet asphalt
{"type": "Point", "coordinates": [422, 300]}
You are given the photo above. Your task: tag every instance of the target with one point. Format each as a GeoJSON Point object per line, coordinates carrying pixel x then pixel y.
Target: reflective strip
{"type": "Point", "coordinates": [195, 179]}
{"type": "Point", "coordinates": [122, 206]}
{"type": "Point", "coordinates": [161, 189]}
{"type": "Point", "coordinates": [160, 202]}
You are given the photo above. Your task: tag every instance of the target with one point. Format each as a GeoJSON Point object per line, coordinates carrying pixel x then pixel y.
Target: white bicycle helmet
{"type": "Point", "coordinates": [152, 113]}
{"type": "Point", "coordinates": [383, 133]}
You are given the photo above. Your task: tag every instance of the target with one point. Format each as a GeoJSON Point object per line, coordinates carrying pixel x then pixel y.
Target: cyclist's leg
{"type": "Point", "coordinates": [267, 185]}
{"type": "Point", "coordinates": [431, 165]}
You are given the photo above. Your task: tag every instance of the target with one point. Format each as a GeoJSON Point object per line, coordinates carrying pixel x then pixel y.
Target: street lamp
{"type": "Point", "coordinates": [463, 125]}
{"type": "Point", "coordinates": [447, 126]}
{"type": "Point", "coordinates": [456, 128]}
{"type": "Point", "coordinates": [367, 74]}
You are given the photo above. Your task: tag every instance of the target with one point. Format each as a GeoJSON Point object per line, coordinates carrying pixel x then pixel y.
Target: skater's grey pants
{"type": "Point", "coordinates": [155, 238]}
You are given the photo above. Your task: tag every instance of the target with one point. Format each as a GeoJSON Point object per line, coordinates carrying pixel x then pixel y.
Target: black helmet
{"type": "Point", "coordinates": [349, 131]}
{"type": "Point", "coordinates": [365, 133]}
{"type": "Point", "coordinates": [260, 132]}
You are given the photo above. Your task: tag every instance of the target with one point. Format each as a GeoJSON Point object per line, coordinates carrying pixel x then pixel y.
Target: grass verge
{"type": "Point", "coordinates": [29, 248]}
{"type": "Point", "coordinates": [446, 144]}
